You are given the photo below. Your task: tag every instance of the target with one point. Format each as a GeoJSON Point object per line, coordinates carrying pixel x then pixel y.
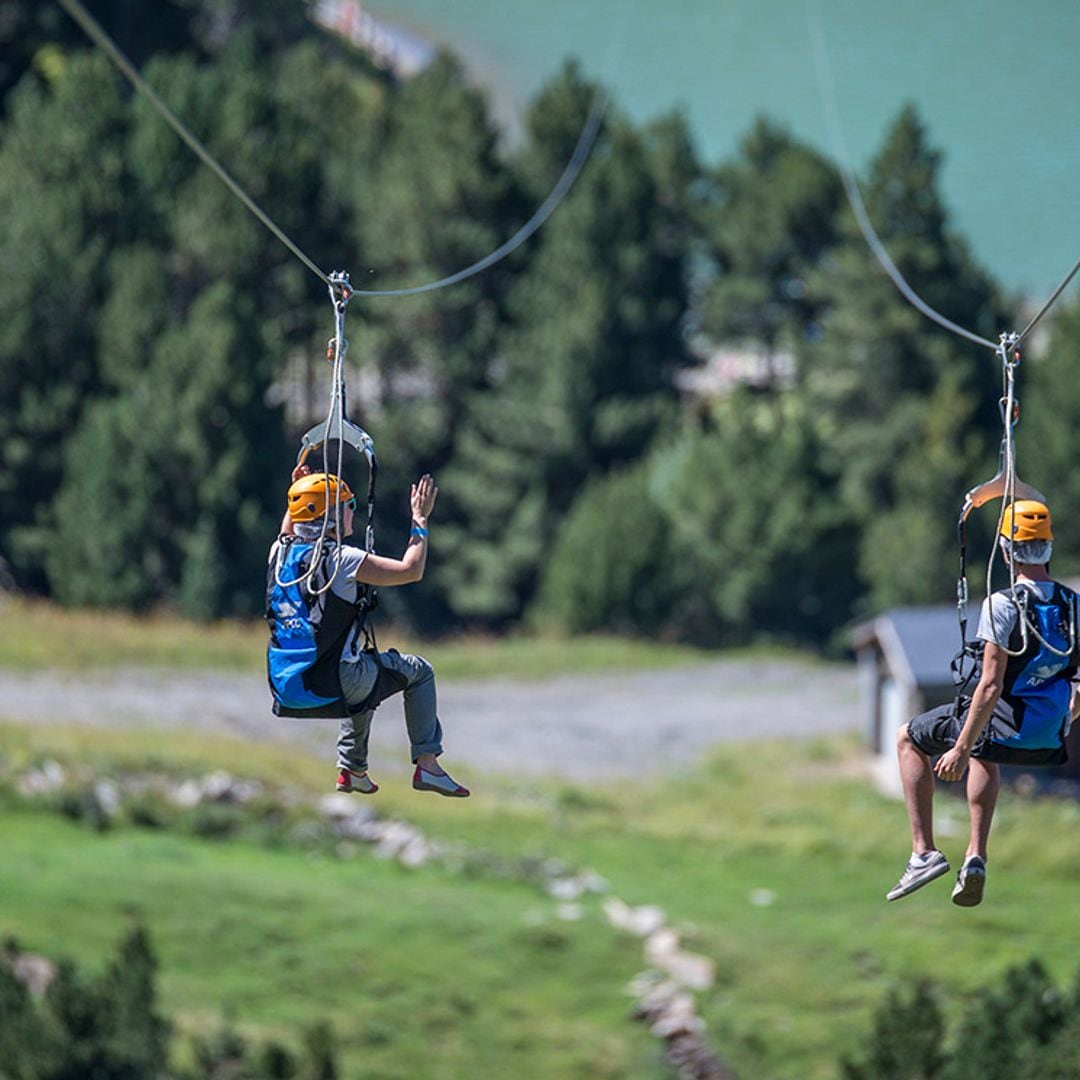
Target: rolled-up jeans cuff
{"type": "Point", "coordinates": [426, 748]}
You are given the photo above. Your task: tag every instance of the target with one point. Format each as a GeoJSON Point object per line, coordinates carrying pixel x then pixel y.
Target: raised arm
{"type": "Point", "coordinates": [382, 571]}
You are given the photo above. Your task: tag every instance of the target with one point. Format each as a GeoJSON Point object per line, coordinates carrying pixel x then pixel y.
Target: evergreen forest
{"type": "Point", "coordinates": [161, 352]}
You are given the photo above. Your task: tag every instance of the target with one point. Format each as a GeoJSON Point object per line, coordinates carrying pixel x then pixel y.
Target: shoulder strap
{"type": "Point", "coordinates": [1069, 605]}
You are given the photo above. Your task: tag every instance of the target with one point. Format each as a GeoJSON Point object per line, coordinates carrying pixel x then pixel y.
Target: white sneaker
{"type": "Point", "coordinates": [919, 871]}
{"type": "Point", "coordinates": [970, 882]}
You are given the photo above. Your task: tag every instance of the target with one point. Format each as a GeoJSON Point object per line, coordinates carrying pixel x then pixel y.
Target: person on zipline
{"type": "Point", "coordinates": [317, 662]}
{"type": "Point", "coordinates": [1019, 713]}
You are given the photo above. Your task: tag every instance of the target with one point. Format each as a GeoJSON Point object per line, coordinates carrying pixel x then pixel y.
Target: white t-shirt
{"type": "Point", "coordinates": [344, 584]}
{"type": "Point", "coordinates": [999, 612]}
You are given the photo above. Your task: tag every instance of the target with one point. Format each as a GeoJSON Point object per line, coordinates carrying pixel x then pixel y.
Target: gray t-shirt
{"type": "Point", "coordinates": [999, 612]}
{"type": "Point", "coordinates": [344, 584]}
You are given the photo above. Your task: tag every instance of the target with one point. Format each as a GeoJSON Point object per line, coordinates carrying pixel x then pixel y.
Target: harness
{"type": "Point", "coordinates": [1043, 656]}
{"type": "Point", "coordinates": [309, 623]}
{"type": "Point", "coordinates": [1044, 646]}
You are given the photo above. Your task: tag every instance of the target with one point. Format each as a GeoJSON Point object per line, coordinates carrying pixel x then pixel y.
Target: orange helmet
{"type": "Point", "coordinates": [1025, 520]}
{"type": "Point", "coordinates": [307, 497]}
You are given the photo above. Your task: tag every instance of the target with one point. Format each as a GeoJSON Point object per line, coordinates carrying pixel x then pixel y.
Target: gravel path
{"type": "Point", "coordinates": [576, 727]}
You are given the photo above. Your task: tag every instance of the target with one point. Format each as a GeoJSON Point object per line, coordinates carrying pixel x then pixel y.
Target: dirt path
{"type": "Point", "coordinates": [577, 727]}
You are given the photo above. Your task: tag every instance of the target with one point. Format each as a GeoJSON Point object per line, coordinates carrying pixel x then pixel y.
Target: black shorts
{"type": "Point", "coordinates": [936, 731]}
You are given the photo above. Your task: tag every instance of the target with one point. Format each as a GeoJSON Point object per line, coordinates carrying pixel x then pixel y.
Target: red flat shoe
{"type": "Point", "coordinates": [355, 783]}
{"type": "Point", "coordinates": [440, 783]}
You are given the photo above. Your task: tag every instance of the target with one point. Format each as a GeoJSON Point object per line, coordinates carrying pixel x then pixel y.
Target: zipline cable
{"type": "Point", "coordinates": [573, 168]}
{"type": "Point", "coordinates": [93, 30]}
{"type": "Point", "coordinates": [578, 158]}
{"type": "Point", "coordinates": [851, 188]}
{"type": "Point", "coordinates": [827, 91]}
{"type": "Point", "coordinates": [1049, 303]}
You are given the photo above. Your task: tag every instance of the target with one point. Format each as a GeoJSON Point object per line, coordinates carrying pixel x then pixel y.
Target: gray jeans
{"type": "Point", "coordinates": [413, 676]}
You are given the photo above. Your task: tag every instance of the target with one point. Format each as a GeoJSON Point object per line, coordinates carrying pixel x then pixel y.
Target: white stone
{"type": "Point", "coordinates": [593, 882]}
{"type": "Point", "coordinates": [187, 795]}
{"type": "Point", "coordinates": [641, 921]}
{"type": "Point", "coordinates": [691, 970]}
{"type": "Point", "coordinates": [338, 805]}
{"type": "Point", "coordinates": [415, 853]}
{"type": "Point", "coordinates": [677, 1024]}
{"type": "Point", "coordinates": [660, 945]}
{"type": "Point", "coordinates": [50, 777]}
{"type": "Point", "coordinates": [567, 888]}
{"type": "Point", "coordinates": [107, 796]}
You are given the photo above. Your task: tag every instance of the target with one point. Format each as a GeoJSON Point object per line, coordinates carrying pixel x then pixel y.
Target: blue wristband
{"type": "Point", "coordinates": [417, 531]}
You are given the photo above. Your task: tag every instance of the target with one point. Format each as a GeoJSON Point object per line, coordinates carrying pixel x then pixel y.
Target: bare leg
{"type": "Point", "coordinates": [917, 777]}
{"type": "Point", "coordinates": [983, 783]}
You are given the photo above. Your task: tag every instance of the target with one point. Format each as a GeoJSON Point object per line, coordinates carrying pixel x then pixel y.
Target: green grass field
{"type": "Point", "coordinates": [773, 863]}
{"type": "Point", "coordinates": [40, 636]}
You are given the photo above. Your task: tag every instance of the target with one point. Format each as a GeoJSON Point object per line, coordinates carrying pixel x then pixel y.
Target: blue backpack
{"type": "Point", "coordinates": [1037, 690]}
{"type": "Point", "coordinates": [308, 632]}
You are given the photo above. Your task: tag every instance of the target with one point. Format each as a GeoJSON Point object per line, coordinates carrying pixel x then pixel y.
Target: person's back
{"type": "Point", "coordinates": [1035, 623]}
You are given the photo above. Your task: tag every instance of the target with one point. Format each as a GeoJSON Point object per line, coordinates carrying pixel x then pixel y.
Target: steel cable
{"type": "Point", "coordinates": [96, 34]}
{"type": "Point", "coordinates": [573, 168]}
{"type": "Point", "coordinates": [1049, 303]}
{"type": "Point", "coordinates": [862, 218]}
{"type": "Point", "coordinates": [827, 92]}
{"type": "Point", "coordinates": [578, 158]}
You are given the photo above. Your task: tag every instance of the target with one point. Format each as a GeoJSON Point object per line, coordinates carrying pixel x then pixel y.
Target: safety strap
{"type": "Point", "coordinates": [1005, 485]}
{"type": "Point", "coordinates": [337, 427]}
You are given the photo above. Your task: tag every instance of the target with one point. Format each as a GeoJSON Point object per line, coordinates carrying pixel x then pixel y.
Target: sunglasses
{"type": "Point", "coordinates": [350, 503]}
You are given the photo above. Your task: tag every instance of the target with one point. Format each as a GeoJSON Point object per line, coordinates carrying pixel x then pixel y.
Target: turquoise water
{"type": "Point", "coordinates": [997, 82]}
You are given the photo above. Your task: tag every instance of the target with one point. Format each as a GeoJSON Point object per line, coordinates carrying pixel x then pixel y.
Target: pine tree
{"type": "Point", "coordinates": [763, 540]}
{"type": "Point", "coordinates": [438, 200]}
{"type": "Point", "coordinates": [609, 565]}
{"type": "Point", "coordinates": [25, 1053]}
{"type": "Point", "coordinates": [57, 220]}
{"type": "Point", "coordinates": [769, 216]}
{"type": "Point", "coordinates": [320, 1053]}
{"type": "Point", "coordinates": [909, 409]}
{"type": "Point", "coordinates": [173, 478]}
{"type": "Point", "coordinates": [907, 1038]}
{"type": "Point", "coordinates": [75, 1013]}
{"type": "Point", "coordinates": [1001, 1031]}
{"type": "Point", "coordinates": [585, 377]}
{"type": "Point", "coordinates": [1058, 1059]}
{"type": "Point", "coordinates": [138, 1035]}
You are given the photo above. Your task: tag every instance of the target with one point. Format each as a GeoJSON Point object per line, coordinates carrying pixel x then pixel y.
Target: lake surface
{"type": "Point", "coordinates": [997, 82]}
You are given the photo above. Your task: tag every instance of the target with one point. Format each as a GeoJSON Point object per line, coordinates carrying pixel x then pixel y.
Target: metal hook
{"type": "Point", "coordinates": [1003, 408]}
{"type": "Point", "coordinates": [341, 290]}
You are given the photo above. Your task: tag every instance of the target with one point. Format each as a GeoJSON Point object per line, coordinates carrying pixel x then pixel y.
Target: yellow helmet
{"type": "Point", "coordinates": [307, 497]}
{"type": "Point", "coordinates": [1026, 519]}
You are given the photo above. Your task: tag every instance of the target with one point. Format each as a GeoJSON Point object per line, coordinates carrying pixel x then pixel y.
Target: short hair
{"type": "Point", "coordinates": [311, 530]}
{"type": "Point", "coordinates": [1032, 552]}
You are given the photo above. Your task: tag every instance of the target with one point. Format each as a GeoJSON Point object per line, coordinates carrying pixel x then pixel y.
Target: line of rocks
{"type": "Point", "coordinates": [663, 993]}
